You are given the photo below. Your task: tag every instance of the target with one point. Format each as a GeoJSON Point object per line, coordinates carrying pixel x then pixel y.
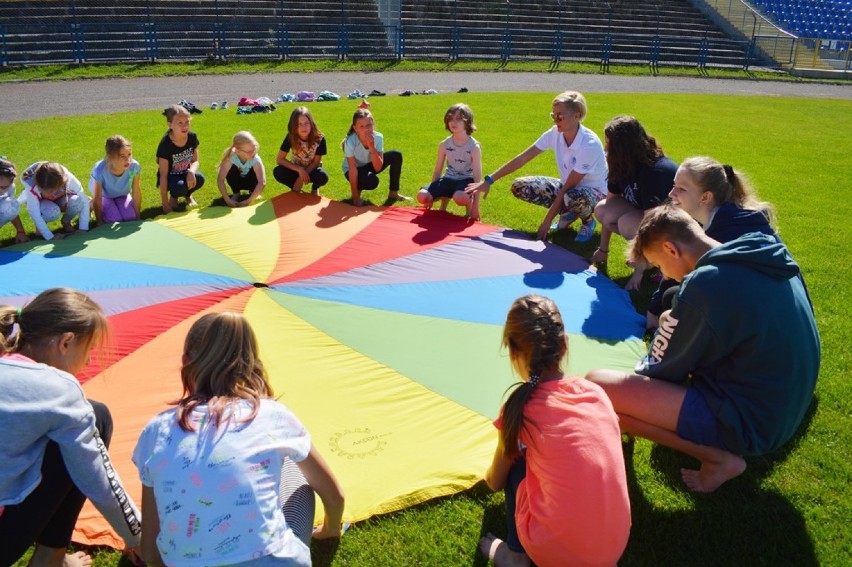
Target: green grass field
{"type": "Point", "coordinates": [792, 507]}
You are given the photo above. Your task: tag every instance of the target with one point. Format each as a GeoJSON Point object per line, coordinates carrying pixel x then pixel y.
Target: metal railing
{"type": "Point", "coordinates": [791, 52]}
{"type": "Point", "coordinates": [229, 37]}
{"type": "Point", "coordinates": [109, 42]}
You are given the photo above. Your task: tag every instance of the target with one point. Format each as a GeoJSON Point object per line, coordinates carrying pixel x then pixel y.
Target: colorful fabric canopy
{"type": "Point", "coordinates": [380, 328]}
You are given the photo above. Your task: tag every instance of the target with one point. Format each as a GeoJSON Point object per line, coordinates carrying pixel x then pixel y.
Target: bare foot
{"type": "Point", "coordinates": [713, 475]}
{"type": "Point", "coordinates": [499, 553]}
{"type": "Point", "coordinates": [48, 556]}
{"type": "Point", "coordinates": [79, 559]}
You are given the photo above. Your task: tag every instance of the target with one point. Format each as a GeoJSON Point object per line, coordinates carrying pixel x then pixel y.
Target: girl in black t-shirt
{"type": "Point", "coordinates": [177, 160]}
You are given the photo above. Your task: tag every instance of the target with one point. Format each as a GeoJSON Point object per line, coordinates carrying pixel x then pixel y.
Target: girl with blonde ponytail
{"type": "Point", "coordinates": [242, 170]}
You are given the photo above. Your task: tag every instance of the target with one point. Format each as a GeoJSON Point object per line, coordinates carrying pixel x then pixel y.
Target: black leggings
{"type": "Point", "coordinates": [288, 177]}
{"type": "Point", "coordinates": [239, 183]}
{"type": "Point", "coordinates": [48, 514]}
{"type": "Point", "coordinates": [368, 178]}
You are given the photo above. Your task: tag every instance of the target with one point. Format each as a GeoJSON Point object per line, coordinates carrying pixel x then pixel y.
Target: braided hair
{"type": "Point", "coordinates": [535, 336]}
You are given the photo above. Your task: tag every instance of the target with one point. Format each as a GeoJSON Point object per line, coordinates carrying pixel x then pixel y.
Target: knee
{"type": "Point", "coordinates": [278, 174]}
{"type": "Point", "coordinates": [461, 198]}
{"type": "Point", "coordinates": [604, 377]}
{"type": "Point", "coordinates": [518, 188]}
{"type": "Point", "coordinates": [319, 177]}
{"type": "Point", "coordinates": [50, 211]}
{"type": "Point", "coordinates": [424, 197]}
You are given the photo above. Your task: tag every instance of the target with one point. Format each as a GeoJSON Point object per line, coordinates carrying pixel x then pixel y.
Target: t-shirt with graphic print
{"type": "Point", "coordinates": [303, 156]}
{"type": "Point", "coordinates": [459, 158]}
{"type": "Point", "coordinates": [179, 157]}
{"type": "Point", "coordinates": [217, 488]}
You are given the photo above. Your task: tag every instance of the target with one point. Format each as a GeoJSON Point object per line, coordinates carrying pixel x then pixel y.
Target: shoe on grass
{"type": "Point", "coordinates": [586, 231]}
{"type": "Point", "coordinates": [564, 221]}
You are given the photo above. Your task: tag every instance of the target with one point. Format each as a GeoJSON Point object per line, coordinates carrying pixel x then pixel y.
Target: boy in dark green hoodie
{"type": "Point", "coordinates": [732, 367]}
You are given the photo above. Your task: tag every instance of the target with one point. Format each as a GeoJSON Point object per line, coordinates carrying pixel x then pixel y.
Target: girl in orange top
{"type": "Point", "coordinates": [558, 457]}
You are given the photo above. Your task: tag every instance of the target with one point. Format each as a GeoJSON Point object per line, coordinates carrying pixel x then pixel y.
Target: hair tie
{"type": "Point", "coordinates": [18, 313]}
{"type": "Point", "coordinates": [534, 380]}
{"type": "Point", "coordinates": [729, 173]}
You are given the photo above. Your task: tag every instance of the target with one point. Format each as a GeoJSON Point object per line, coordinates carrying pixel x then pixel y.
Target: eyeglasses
{"type": "Point", "coordinates": [557, 116]}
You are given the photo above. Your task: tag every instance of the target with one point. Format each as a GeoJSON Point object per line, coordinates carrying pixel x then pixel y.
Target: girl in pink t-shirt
{"type": "Point", "coordinates": [558, 456]}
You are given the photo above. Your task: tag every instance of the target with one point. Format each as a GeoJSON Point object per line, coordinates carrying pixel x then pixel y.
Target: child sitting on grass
{"type": "Point", "coordinates": [177, 160]}
{"type": "Point", "coordinates": [221, 459]}
{"type": "Point", "coordinates": [365, 157]}
{"type": "Point", "coordinates": [52, 192]}
{"type": "Point", "coordinates": [463, 157]}
{"type": "Point", "coordinates": [10, 208]}
{"type": "Point", "coordinates": [242, 169]}
{"type": "Point", "coordinates": [115, 183]}
{"type": "Point", "coordinates": [558, 458]}
{"type": "Point", "coordinates": [305, 144]}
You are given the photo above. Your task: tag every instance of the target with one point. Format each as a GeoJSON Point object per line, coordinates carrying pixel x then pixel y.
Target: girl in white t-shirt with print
{"type": "Point", "coordinates": [214, 467]}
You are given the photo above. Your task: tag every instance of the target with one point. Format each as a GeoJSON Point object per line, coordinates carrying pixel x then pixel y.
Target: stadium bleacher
{"type": "Point", "coordinates": [654, 32]}
{"type": "Point", "coordinates": [826, 19]}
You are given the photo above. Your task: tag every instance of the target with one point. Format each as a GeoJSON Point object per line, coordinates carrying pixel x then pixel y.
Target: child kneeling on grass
{"type": "Point", "coordinates": [463, 157]}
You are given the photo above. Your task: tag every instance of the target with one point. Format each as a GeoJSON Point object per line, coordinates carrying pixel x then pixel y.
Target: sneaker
{"type": "Point", "coordinates": [586, 231]}
{"type": "Point", "coordinates": [189, 106]}
{"type": "Point", "coordinates": [214, 106]}
{"type": "Point", "coordinates": [564, 221]}
{"type": "Point", "coordinates": [224, 105]}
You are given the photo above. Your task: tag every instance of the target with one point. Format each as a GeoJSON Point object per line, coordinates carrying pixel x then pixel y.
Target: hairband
{"type": "Point", "coordinates": [534, 380]}
{"type": "Point", "coordinates": [18, 313]}
{"type": "Point", "coordinates": [729, 172]}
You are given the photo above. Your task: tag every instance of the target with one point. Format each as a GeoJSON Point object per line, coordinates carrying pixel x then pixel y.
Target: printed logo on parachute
{"type": "Point", "coordinates": [661, 340]}
{"type": "Point", "coordinates": [357, 442]}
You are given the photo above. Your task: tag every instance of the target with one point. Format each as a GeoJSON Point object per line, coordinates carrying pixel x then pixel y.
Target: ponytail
{"type": "Point", "coordinates": [513, 418]}
{"type": "Point", "coordinates": [51, 313]}
{"type": "Point", "coordinates": [359, 114]}
{"type": "Point", "coordinates": [535, 336]}
{"type": "Point", "coordinates": [727, 185]}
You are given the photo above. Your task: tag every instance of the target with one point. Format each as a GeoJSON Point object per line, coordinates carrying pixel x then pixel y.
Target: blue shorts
{"type": "Point", "coordinates": [445, 188]}
{"type": "Point", "coordinates": [696, 422]}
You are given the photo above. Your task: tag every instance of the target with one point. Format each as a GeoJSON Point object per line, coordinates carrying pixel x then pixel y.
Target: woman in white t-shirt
{"type": "Point", "coordinates": [582, 170]}
{"type": "Point", "coordinates": [214, 467]}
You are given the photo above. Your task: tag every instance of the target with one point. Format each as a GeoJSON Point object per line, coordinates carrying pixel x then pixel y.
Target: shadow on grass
{"type": "Point", "coordinates": [742, 523]}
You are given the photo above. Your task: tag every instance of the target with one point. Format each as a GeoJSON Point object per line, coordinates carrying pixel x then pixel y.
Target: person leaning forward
{"type": "Point", "coordinates": [732, 368]}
